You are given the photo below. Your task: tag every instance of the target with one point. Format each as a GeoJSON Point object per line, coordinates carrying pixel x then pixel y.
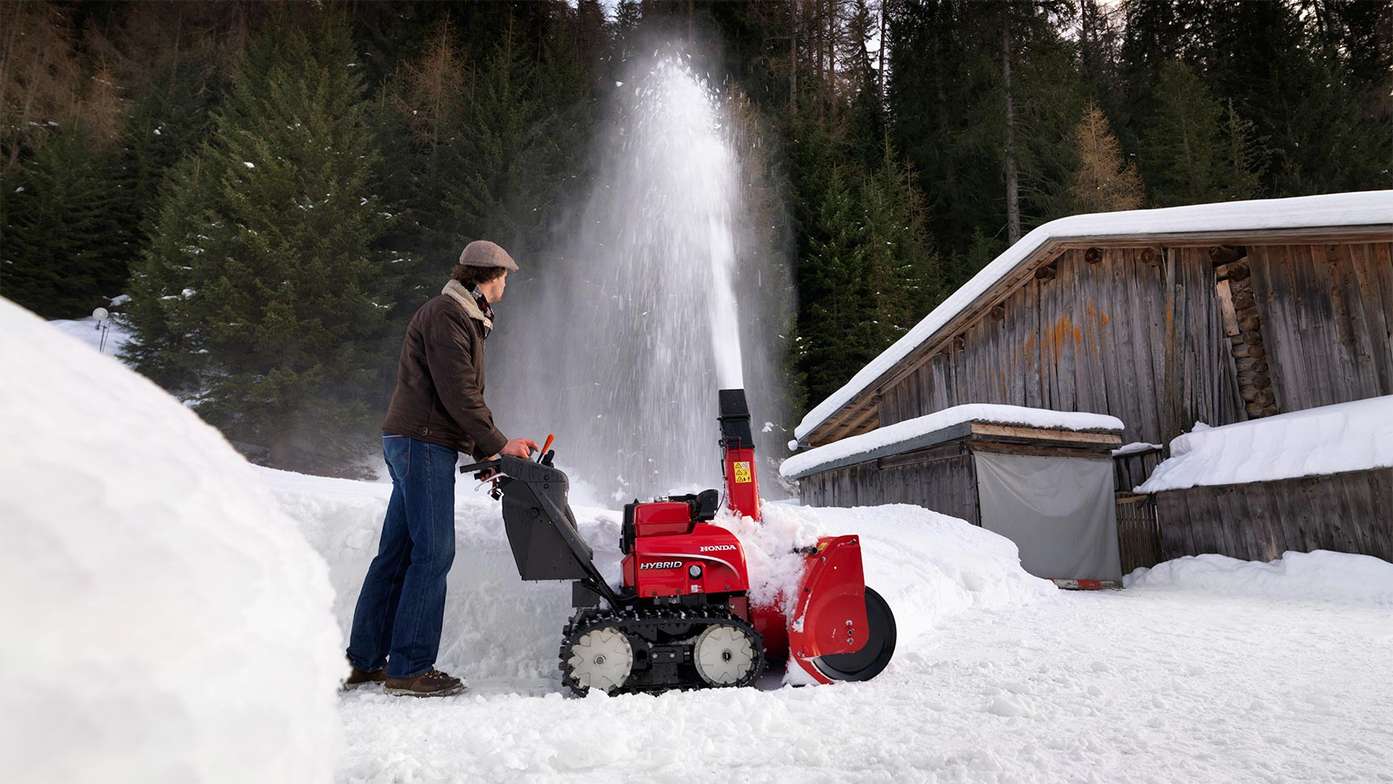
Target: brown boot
{"type": "Point", "coordinates": [432, 683]}
{"type": "Point", "coordinates": [357, 677]}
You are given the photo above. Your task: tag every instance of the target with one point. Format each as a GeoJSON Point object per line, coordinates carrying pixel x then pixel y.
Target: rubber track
{"type": "Point", "coordinates": [630, 620]}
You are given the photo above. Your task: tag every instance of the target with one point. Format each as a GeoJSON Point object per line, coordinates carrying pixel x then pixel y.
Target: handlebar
{"type": "Point", "coordinates": [492, 464]}
{"type": "Point", "coordinates": [482, 465]}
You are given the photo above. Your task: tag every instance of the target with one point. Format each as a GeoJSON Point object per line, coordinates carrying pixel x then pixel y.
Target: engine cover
{"type": "Point", "coordinates": [705, 559]}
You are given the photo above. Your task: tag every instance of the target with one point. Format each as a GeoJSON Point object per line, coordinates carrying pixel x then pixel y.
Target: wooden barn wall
{"type": "Point", "coordinates": [1345, 512]}
{"type": "Point", "coordinates": [1137, 335]}
{"type": "Point", "coordinates": [946, 483]}
{"type": "Point", "coordinates": [1327, 320]}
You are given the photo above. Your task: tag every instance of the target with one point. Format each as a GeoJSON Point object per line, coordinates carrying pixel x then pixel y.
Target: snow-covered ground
{"type": "Point", "coordinates": [89, 331]}
{"type": "Point", "coordinates": [1205, 669]}
{"type": "Point", "coordinates": [1141, 685]}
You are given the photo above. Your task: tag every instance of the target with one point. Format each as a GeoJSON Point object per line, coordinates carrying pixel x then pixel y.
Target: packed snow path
{"type": "Point", "coordinates": [1146, 684]}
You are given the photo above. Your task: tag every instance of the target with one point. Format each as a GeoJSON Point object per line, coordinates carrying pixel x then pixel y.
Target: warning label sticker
{"type": "Point", "coordinates": [742, 472]}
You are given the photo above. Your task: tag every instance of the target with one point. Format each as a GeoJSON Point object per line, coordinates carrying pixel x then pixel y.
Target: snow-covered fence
{"type": "Point", "coordinates": [1318, 479]}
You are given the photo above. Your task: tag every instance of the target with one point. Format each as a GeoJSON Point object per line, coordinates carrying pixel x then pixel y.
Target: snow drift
{"type": "Point", "coordinates": [1321, 575]}
{"type": "Point", "coordinates": [928, 566]}
{"type": "Point", "coordinates": [164, 620]}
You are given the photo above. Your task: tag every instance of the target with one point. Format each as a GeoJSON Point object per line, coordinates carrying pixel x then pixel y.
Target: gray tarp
{"type": "Point", "coordinates": [1058, 510]}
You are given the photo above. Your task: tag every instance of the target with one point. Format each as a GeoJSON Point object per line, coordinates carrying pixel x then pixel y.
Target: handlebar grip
{"type": "Point", "coordinates": [479, 466]}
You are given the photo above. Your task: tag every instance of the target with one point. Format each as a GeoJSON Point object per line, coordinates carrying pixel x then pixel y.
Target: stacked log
{"type": "Point", "coordinates": [1243, 327]}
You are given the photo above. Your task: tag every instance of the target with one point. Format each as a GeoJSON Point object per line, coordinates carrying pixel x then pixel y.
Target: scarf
{"type": "Point", "coordinates": [475, 305]}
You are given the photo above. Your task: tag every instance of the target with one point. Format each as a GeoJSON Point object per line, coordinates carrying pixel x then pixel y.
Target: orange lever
{"type": "Point", "coordinates": [551, 439]}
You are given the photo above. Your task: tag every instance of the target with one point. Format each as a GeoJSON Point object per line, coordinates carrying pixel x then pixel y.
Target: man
{"type": "Point", "coordinates": [437, 411]}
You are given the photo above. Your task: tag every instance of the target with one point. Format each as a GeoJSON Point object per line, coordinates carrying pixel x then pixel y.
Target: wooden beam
{"type": "Point", "coordinates": [853, 424]}
{"type": "Point", "coordinates": [1076, 451]}
{"type": "Point", "coordinates": [1036, 434]}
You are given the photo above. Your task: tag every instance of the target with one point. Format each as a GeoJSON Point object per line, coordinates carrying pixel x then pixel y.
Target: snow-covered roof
{"type": "Point", "coordinates": [1328, 440]}
{"type": "Point", "coordinates": [916, 432]}
{"type": "Point", "coordinates": [1337, 209]}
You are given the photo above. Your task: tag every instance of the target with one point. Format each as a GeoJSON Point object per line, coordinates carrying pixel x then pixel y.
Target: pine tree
{"type": "Point", "coordinates": [901, 280]}
{"type": "Point", "coordinates": [1050, 99]}
{"type": "Point", "coordinates": [831, 328]}
{"type": "Point", "coordinates": [1194, 150]}
{"type": "Point", "coordinates": [279, 284]}
{"type": "Point", "coordinates": [1102, 182]}
{"type": "Point", "coordinates": [830, 262]}
{"type": "Point", "coordinates": [627, 15]}
{"type": "Point", "coordinates": [421, 125]}
{"type": "Point", "coordinates": [167, 346]}
{"type": "Point", "coordinates": [867, 114]}
{"type": "Point", "coordinates": [507, 160]}
{"type": "Point", "coordinates": [1242, 157]}
{"type": "Point", "coordinates": [483, 145]}
{"type": "Point", "coordinates": [62, 228]}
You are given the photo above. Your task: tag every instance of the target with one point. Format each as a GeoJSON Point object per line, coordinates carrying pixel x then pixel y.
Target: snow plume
{"type": "Point", "coordinates": [164, 619]}
{"type": "Point", "coordinates": [664, 294]}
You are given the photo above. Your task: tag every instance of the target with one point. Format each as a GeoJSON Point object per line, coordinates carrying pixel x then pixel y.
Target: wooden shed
{"type": "Point", "coordinates": [1216, 313]}
{"type": "Point", "coordinates": [1040, 478]}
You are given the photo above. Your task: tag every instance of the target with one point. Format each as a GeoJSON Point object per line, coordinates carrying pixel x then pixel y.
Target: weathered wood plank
{"type": "Point", "coordinates": [1367, 265]}
{"type": "Point", "coordinates": [1106, 440]}
{"type": "Point", "coordinates": [1346, 512]}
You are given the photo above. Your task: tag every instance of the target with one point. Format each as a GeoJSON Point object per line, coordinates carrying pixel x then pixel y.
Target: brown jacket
{"type": "Point", "coordinates": [439, 396]}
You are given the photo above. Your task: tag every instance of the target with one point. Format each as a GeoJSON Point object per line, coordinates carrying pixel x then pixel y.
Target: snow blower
{"type": "Point", "coordinates": [682, 617]}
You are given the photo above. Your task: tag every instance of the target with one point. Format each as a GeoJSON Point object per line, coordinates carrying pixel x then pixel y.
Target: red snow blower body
{"type": "Point", "coordinates": [682, 617]}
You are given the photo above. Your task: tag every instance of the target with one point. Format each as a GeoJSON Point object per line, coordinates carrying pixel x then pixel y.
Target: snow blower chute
{"type": "Point", "coordinates": [682, 617]}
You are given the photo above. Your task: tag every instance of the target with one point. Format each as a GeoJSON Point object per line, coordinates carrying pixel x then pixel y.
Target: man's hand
{"type": "Point", "coordinates": [520, 447]}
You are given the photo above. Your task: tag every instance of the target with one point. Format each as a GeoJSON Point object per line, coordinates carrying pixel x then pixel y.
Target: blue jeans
{"type": "Point", "coordinates": [402, 604]}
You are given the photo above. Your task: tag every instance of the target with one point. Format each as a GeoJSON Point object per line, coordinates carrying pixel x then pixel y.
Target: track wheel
{"type": "Point", "coordinates": [727, 654]}
{"type": "Point", "coordinates": [600, 658]}
{"type": "Point", "coordinates": [866, 663]}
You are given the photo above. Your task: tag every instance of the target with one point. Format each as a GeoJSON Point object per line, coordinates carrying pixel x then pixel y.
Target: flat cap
{"type": "Point", "coordinates": [482, 253]}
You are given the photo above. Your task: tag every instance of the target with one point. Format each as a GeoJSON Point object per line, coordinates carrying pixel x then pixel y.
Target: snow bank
{"type": "Point", "coordinates": [163, 619]}
{"type": "Point", "coordinates": [1318, 575]}
{"type": "Point", "coordinates": [496, 625]}
{"type": "Point", "coordinates": [928, 566]}
{"type": "Point", "coordinates": [1317, 441]}
{"type": "Point", "coordinates": [900, 433]}
{"type": "Point", "coordinates": [1336, 209]}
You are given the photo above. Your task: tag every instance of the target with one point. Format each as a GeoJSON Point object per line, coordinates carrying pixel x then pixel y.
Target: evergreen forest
{"type": "Point", "coordinates": [277, 186]}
